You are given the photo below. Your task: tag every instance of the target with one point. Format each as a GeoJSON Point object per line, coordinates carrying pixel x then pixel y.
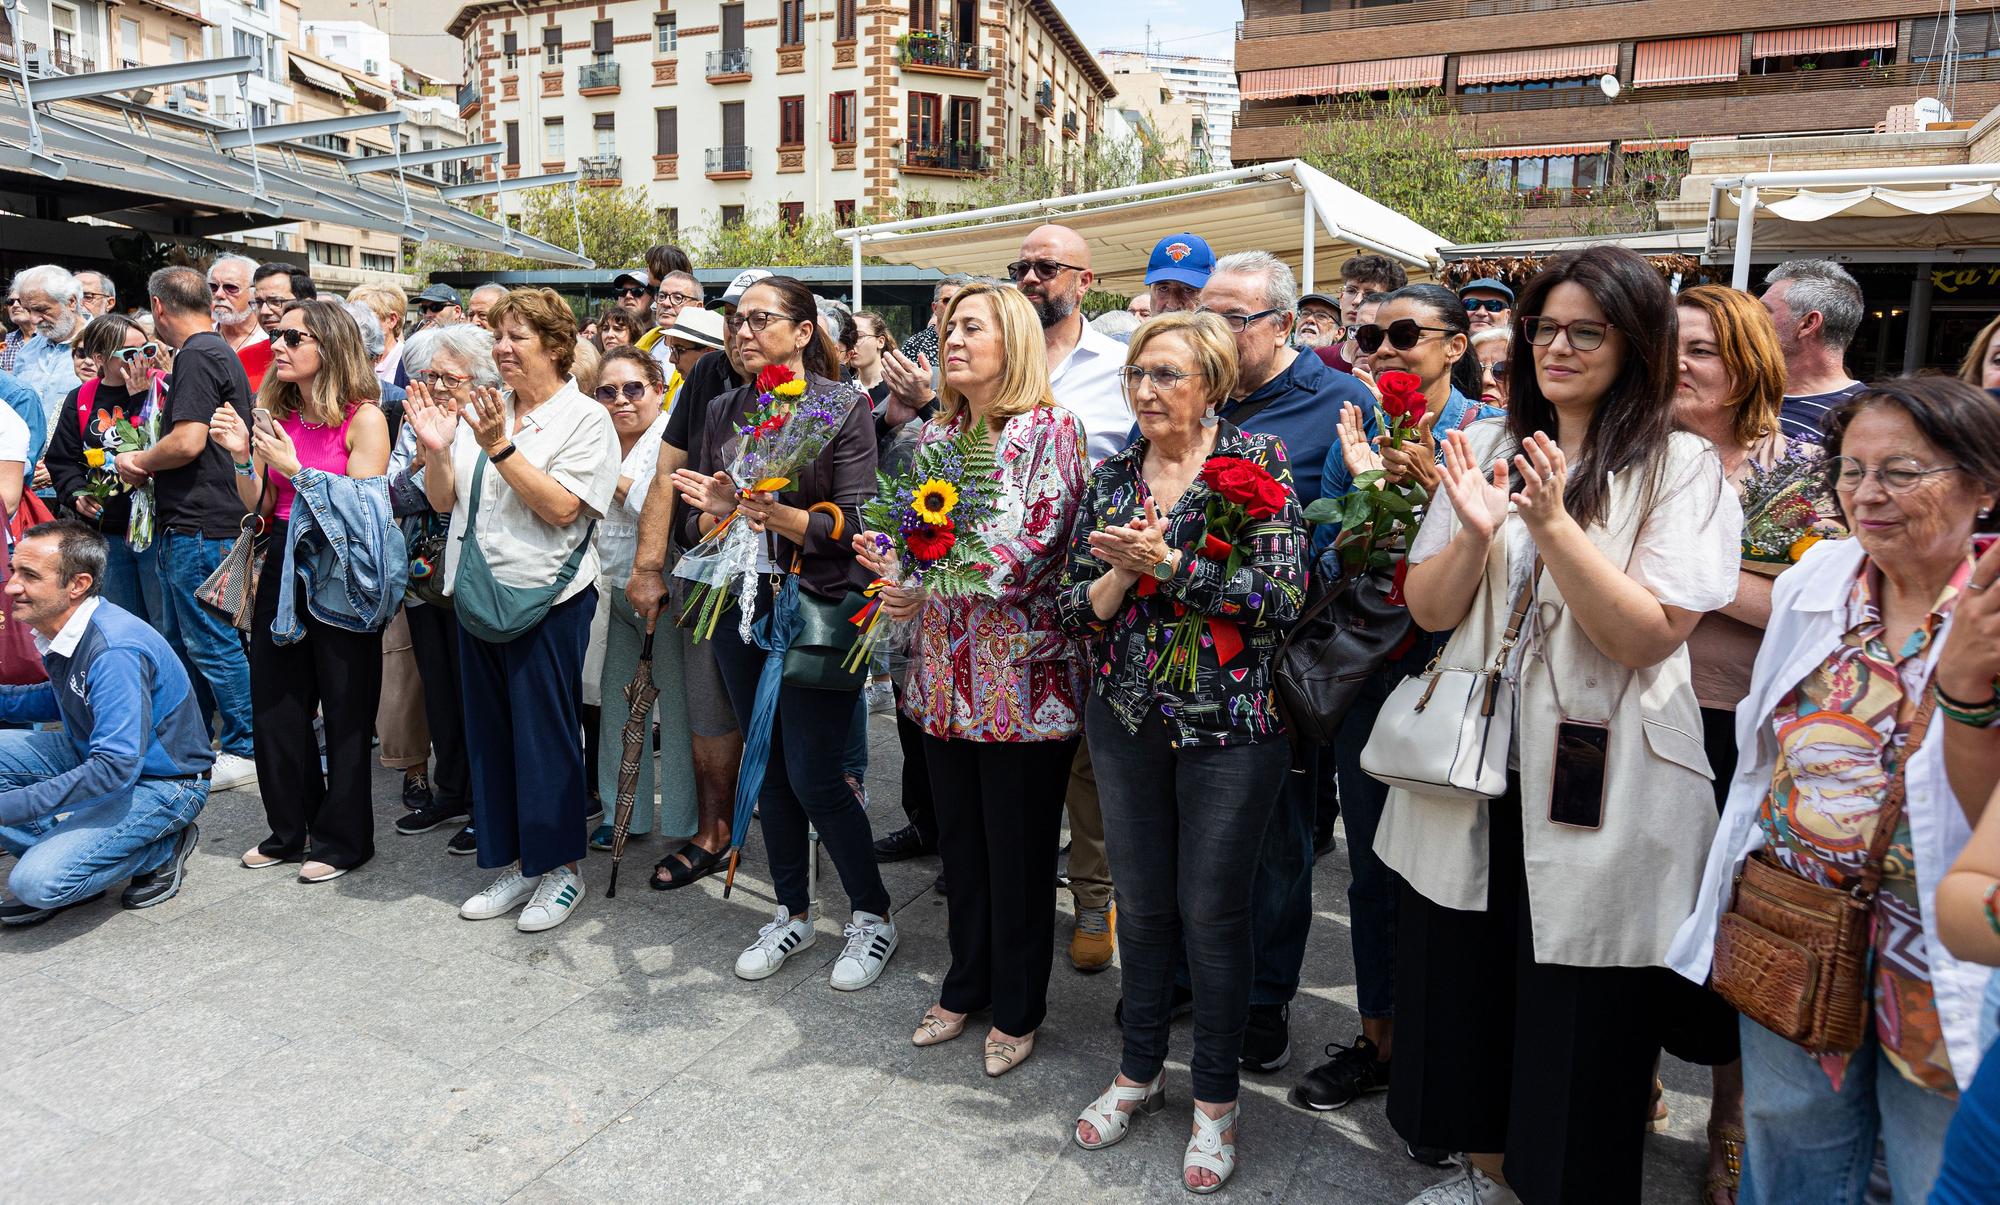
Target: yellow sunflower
{"type": "Point", "coordinates": [791, 388]}
{"type": "Point", "coordinates": [934, 500]}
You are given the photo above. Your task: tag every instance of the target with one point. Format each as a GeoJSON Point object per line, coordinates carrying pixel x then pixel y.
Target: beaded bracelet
{"type": "Point", "coordinates": [1973, 715]}
{"type": "Point", "coordinates": [1993, 906]}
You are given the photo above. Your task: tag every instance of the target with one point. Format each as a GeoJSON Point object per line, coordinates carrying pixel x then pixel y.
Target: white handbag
{"type": "Point", "coordinates": [1447, 732]}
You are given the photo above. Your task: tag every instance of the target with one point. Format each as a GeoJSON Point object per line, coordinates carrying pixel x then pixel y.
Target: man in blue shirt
{"type": "Point", "coordinates": [24, 401]}
{"type": "Point", "coordinates": [113, 794]}
{"type": "Point", "coordinates": [44, 363]}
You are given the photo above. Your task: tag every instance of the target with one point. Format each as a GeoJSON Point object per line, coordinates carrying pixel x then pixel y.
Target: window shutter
{"type": "Point", "coordinates": [667, 131]}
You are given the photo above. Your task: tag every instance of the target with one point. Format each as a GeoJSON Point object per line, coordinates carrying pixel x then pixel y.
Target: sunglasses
{"type": "Point", "coordinates": [1043, 269]}
{"type": "Point", "coordinates": [629, 291]}
{"type": "Point", "coordinates": [292, 337]}
{"type": "Point", "coordinates": [1497, 370]}
{"type": "Point", "coordinates": [1239, 322]}
{"type": "Point", "coordinates": [216, 286]}
{"type": "Point", "coordinates": [632, 390]}
{"type": "Point", "coordinates": [145, 352]}
{"type": "Point", "coordinates": [1491, 305]}
{"type": "Point", "coordinates": [1584, 335]}
{"type": "Point", "coordinates": [1402, 334]}
{"type": "Point", "coordinates": [432, 307]}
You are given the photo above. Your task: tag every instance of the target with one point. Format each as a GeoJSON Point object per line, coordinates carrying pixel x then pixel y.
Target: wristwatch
{"type": "Point", "coordinates": [1164, 567]}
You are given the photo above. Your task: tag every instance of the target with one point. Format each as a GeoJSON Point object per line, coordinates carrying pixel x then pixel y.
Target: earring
{"type": "Point", "coordinates": [1209, 417]}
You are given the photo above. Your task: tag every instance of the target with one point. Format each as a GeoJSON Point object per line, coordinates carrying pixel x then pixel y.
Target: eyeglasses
{"type": "Point", "coordinates": [630, 291]}
{"type": "Point", "coordinates": [216, 286]}
{"type": "Point", "coordinates": [291, 337]}
{"type": "Point", "coordinates": [679, 300]}
{"type": "Point", "coordinates": [272, 303]}
{"type": "Point", "coordinates": [1355, 289]}
{"type": "Point", "coordinates": [1044, 269]}
{"type": "Point", "coordinates": [432, 379]}
{"type": "Point", "coordinates": [1239, 322]}
{"type": "Point", "coordinates": [756, 320]}
{"type": "Point", "coordinates": [144, 352]}
{"type": "Point", "coordinates": [1164, 379]}
{"type": "Point", "coordinates": [632, 391]}
{"type": "Point", "coordinates": [1491, 305]}
{"type": "Point", "coordinates": [432, 307]}
{"type": "Point", "coordinates": [90, 296]}
{"type": "Point", "coordinates": [1898, 474]}
{"type": "Point", "coordinates": [1584, 335]}
{"type": "Point", "coordinates": [1402, 334]}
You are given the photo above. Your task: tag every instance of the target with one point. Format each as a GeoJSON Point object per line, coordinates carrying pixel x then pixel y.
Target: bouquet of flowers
{"type": "Point", "coordinates": [117, 433]}
{"type": "Point", "coordinates": [786, 431]}
{"type": "Point", "coordinates": [1241, 490]}
{"type": "Point", "coordinates": [1786, 511]}
{"type": "Point", "coordinates": [1377, 515]}
{"type": "Point", "coordinates": [934, 511]}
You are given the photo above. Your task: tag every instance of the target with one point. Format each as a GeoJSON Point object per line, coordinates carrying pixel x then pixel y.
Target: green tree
{"type": "Point", "coordinates": [616, 224]}
{"type": "Point", "coordinates": [1402, 152]}
{"type": "Point", "coordinates": [764, 239]}
{"type": "Point", "coordinates": [1103, 163]}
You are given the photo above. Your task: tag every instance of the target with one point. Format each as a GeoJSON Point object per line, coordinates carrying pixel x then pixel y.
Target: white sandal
{"type": "Point", "coordinates": [1206, 1151]}
{"type": "Point", "coordinates": [1112, 1122]}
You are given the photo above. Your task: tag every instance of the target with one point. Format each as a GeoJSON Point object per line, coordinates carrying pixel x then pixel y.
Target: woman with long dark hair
{"type": "Point", "coordinates": [1531, 993]}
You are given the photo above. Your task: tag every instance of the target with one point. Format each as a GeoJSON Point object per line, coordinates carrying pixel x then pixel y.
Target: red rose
{"type": "Point", "coordinates": [773, 376]}
{"type": "Point", "coordinates": [1215, 548]}
{"type": "Point", "coordinates": [1269, 501]}
{"type": "Point", "coordinates": [931, 543]}
{"type": "Point", "coordinates": [1402, 396]}
{"type": "Point", "coordinates": [1234, 478]}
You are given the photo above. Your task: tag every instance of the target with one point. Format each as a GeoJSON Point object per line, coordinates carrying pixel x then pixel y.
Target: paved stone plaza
{"type": "Point", "coordinates": [257, 1039]}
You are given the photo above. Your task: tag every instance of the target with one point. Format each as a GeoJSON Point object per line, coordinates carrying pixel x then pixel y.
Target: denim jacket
{"type": "Point", "coordinates": [344, 543]}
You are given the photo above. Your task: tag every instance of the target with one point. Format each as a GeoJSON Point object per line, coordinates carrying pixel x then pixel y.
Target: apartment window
{"type": "Point", "coordinates": [732, 215]}
{"type": "Point", "coordinates": [843, 213]}
{"type": "Point", "coordinates": [791, 22]}
{"type": "Point", "coordinates": [128, 42]}
{"type": "Point", "coordinates": [840, 126]}
{"type": "Point", "coordinates": [1315, 6]}
{"type": "Point", "coordinates": [260, 115]}
{"type": "Point", "coordinates": [329, 142]}
{"type": "Point", "coordinates": [732, 27]}
{"type": "Point", "coordinates": [843, 20]}
{"type": "Point", "coordinates": [604, 126]}
{"type": "Point", "coordinates": [513, 144]}
{"type": "Point", "coordinates": [177, 48]}
{"type": "Point", "coordinates": [791, 120]}
{"type": "Point", "coordinates": [666, 33]}
{"type": "Point", "coordinates": [925, 108]}
{"type": "Point", "coordinates": [252, 45]}
{"type": "Point", "coordinates": [552, 140]}
{"type": "Point", "coordinates": [923, 14]}
{"type": "Point", "coordinates": [332, 255]}
{"type": "Point", "coordinates": [732, 123]}
{"type": "Point", "coordinates": [600, 40]}
{"type": "Point", "coordinates": [552, 46]}
{"type": "Point", "coordinates": [510, 49]}
{"type": "Point", "coordinates": [670, 223]}
{"type": "Point", "coordinates": [792, 213]}
{"type": "Point", "coordinates": [375, 261]}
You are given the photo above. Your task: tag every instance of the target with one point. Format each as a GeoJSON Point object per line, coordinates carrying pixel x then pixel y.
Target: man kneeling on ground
{"type": "Point", "coordinates": [113, 794]}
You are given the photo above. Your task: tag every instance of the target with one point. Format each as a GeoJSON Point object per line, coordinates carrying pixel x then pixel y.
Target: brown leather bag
{"type": "Point", "coordinates": [1792, 955]}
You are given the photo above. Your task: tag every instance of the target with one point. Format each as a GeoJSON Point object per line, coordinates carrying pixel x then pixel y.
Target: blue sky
{"type": "Point", "coordinates": [1204, 27]}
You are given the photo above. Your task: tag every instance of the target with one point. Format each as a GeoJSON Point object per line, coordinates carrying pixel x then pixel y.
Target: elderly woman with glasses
{"type": "Point", "coordinates": [128, 364]}
{"type": "Point", "coordinates": [1846, 699]}
{"type": "Point", "coordinates": [1189, 760]}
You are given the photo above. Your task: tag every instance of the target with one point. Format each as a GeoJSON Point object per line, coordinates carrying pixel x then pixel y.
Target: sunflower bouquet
{"type": "Point", "coordinates": [785, 431]}
{"type": "Point", "coordinates": [929, 519]}
{"type": "Point", "coordinates": [117, 433]}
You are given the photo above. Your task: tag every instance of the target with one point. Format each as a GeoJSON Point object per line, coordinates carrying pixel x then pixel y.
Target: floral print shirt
{"type": "Point", "coordinates": [1232, 702]}
{"type": "Point", "coordinates": [1841, 736]}
{"type": "Point", "coordinates": [1002, 669]}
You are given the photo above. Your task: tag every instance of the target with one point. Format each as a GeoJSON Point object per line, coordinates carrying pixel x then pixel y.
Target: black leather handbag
{"type": "Point", "coordinates": [1348, 630]}
{"type": "Point", "coordinates": [823, 633]}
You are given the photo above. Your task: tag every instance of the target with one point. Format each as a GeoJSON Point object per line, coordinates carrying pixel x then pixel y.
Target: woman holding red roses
{"type": "Point", "coordinates": [1183, 575]}
{"type": "Point", "coordinates": [992, 680]}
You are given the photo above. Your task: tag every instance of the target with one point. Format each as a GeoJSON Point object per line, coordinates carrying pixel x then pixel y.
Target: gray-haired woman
{"type": "Point", "coordinates": [445, 363]}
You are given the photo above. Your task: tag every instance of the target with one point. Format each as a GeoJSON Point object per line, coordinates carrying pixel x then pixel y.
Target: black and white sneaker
{"type": "Point", "coordinates": [16, 915]}
{"type": "Point", "coordinates": [1267, 1038]}
{"type": "Point", "coordinates": [163, 882]}
{"type": "Point", "coordinates": [776, 941]}
{"type": "Point", "coordinates": [593, 814]}
{"type": "Point", "coordinates": [432, 815]}
{"type": "Point", "coordinates": [463, 842]}
{"type": "Point", "coordinates": [1349, 1073]}
{"type": "Point", "coordinates": [871, 940]}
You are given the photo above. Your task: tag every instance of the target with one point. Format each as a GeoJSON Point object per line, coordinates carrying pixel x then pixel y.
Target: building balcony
{"type": "Point", "coordinates": [728, 163]}
{"type": "Point", "coordinates": [69, 62]}
{"type": "Point", "coordinates": [468, 99]}
{"type": "Point", "coordinates": [929, 52]}
{"type": "Point", "coordinates": [1071, 127]}
{"type": "Point", "coordinates": [728, 66]}
{"type": "Point", "coordinates": [1045, 100]}
{"type": "Point", "coordinates": [597, 79]}
{"type": "Point", "coordinates": [600, 171]}
{"type": "Point", "coordinates": [944, 159]}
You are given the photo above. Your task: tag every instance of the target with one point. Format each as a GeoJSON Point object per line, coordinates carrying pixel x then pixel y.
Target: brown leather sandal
{"type": "Point", "coordinates": [1720, 1187]}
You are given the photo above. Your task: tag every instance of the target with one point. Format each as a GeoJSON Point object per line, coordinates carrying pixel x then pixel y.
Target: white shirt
{"type": "Point", "coordinates": [618, 533]}
{"type": "Point", "coordinates": [64, 645]}
{"type": "Point", "coordinates": [14, 434]}
{"type": "Point", "coordinates": [569, 437]}
{"type": "Point", "coordinates": [1086, 384]}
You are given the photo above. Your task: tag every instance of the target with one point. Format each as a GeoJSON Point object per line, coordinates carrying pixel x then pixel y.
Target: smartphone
{"type": "Point", "coordinates": [261, 419]}
{"type": "Point", "coordinates": [1576, 795]}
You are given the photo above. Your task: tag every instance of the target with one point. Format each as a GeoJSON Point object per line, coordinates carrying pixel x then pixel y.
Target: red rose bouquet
{"type": "Point", "coordinates": [1241, 492]}
{"type": "Point", "coordinates": [1378, 513]}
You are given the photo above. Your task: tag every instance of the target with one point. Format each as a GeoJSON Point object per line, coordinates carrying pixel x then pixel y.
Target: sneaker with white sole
{"type": "Point", "coordinates": [776, 941]}
{"type": "Point", "coordinates": [505, 894]}
{"type": "Point", "coordinates": [231, 772]}
{"type": "Point", "coordinates": [556, 896]}
{"type": "Point", "coordinates": [1469, 1187]}
{"type": "Point", "coordinates": [871, 941]}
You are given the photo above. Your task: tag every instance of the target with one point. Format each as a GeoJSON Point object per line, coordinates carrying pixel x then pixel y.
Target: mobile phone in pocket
{"type": "Point", "coordinates": [1576, 793]}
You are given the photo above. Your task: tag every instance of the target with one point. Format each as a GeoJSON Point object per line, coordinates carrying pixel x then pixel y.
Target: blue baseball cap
{"type": "Point", "coordinates": [1184, 258]}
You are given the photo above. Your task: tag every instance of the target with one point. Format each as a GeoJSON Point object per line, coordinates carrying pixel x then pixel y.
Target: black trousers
{"type": "Point", "coordinates": [999, 821]}
{"type": "Point", "coordinates": [333, 673]}
{"type": "Point", "coordinates": [1497, 1052]}
{"type": "Point", "coordinates": [434, 643]}
{"type": "Point", "coordinates": [917, 803]}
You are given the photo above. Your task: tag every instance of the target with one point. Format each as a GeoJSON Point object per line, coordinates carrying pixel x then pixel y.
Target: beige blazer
{"type": "Point", "coordinates": [1613, 896]}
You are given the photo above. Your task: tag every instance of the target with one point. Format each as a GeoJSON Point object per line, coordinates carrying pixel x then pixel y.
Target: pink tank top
{"type": "Point", "coordinates": [323, 448]}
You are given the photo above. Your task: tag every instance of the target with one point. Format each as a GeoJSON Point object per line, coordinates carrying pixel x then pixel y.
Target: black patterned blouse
{"type": "Point", "coordinates": [1232, 701]}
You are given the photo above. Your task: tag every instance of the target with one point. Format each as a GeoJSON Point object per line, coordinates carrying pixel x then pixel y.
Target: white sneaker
{"type": "Point", "coordinates": [776, 941]}
{"type": "Point", "coordinates": [870, 942]}
{"type": "Point", "coordinates": [1469, 1187]}
{"type": "Point", "coordinates": [231, 772]}
{"type": "Point", "coordinates": [556, 896]}
{"type": "Point", "coordinates": [503, 896]}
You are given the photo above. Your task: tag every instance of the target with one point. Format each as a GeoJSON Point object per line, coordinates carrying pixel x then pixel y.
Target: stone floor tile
{"type": "Point", "coordinates": [45, 1014]}
{"type": "Point", "coordinates": [156, 1157]}
{"type": "Point", "coordinates": [126, 1070]}
{"type": "Point", "coordinates": [458, 1011]}
{"type": "Point", "coordinates": [637, 1030]}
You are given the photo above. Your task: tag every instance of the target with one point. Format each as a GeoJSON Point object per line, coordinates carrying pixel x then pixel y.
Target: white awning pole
{"type": "Point", "coordinates": [1311, 238]}
{"type": "Point", "coordinates": [1746, 222]}
{"type": "Point", "coordinates": [856, 295]}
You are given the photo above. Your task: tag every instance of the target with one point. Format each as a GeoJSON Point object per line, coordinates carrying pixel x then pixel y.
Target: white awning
{"type": "Point", "coordinates": [324, 78]}
{"type": "Point", "coordinates": [1942, 213]}
{"type": "Point", "coordinates": [1268, 207]}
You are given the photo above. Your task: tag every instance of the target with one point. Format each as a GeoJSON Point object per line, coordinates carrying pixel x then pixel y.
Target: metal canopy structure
{"type": "Point", "coordinates": [1934, 214]}
{"type": "Point", "coordinates": [78, 151]}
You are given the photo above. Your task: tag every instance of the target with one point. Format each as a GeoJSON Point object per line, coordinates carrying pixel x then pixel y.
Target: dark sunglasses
{"type": "Point", "coordinates": [432, 307]}
{"type": "Point", "coordinates": [1584, 335]}
{"type": "Point", "coordinates": [633, 391]}
{"type": "Point", "coordinates": [1402, 334]}
{"type": "Point", "coordinates": [291, 337]}
{"type": "Point", "coordinates": [629, 291]}
{"type": "Point", "coordinates": [1498, 370]}
{"type": "Point", "coordinates": [1044, 269]}
{"type": "Point", "coordinates": [1491, 305]}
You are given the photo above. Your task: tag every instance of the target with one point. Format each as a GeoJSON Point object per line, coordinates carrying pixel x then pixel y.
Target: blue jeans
{"type": "Point", "coordinates": [854, 759]}
{"type": "Point", "coordinates": [132, 579]}
{"type": "Point", "coordinates": [72, 858]}
{"type": "Point", "coordinates": [1810, 1145]}
{"type": "Point", "coordinates": [203, 638]}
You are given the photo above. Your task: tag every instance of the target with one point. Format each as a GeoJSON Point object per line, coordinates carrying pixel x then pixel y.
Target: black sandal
{"type": "Point", "coordinates": [688, 864]}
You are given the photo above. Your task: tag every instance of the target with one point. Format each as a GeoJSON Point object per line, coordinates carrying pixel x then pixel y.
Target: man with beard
{"type": "Point", "coordinates": [53, 298]}
{"type": "Point", "coordinates": [231, 289]}
{"type": "Point", "coordinates": [1053, 273]}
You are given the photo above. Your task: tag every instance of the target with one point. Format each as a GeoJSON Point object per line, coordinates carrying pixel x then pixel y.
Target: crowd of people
{"type": "Point", "coordinates": [266, 537]}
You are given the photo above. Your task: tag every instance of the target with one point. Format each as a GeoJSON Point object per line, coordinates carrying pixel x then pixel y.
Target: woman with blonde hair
{"type": "Point", "coordinates": [1981, 366]}
{"type": "Point", "coordinates": [318, 409]}
{"type": "Point", "coordinates": [993, 684]}
{"type": "Point", "coordinates": [390, 306]}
